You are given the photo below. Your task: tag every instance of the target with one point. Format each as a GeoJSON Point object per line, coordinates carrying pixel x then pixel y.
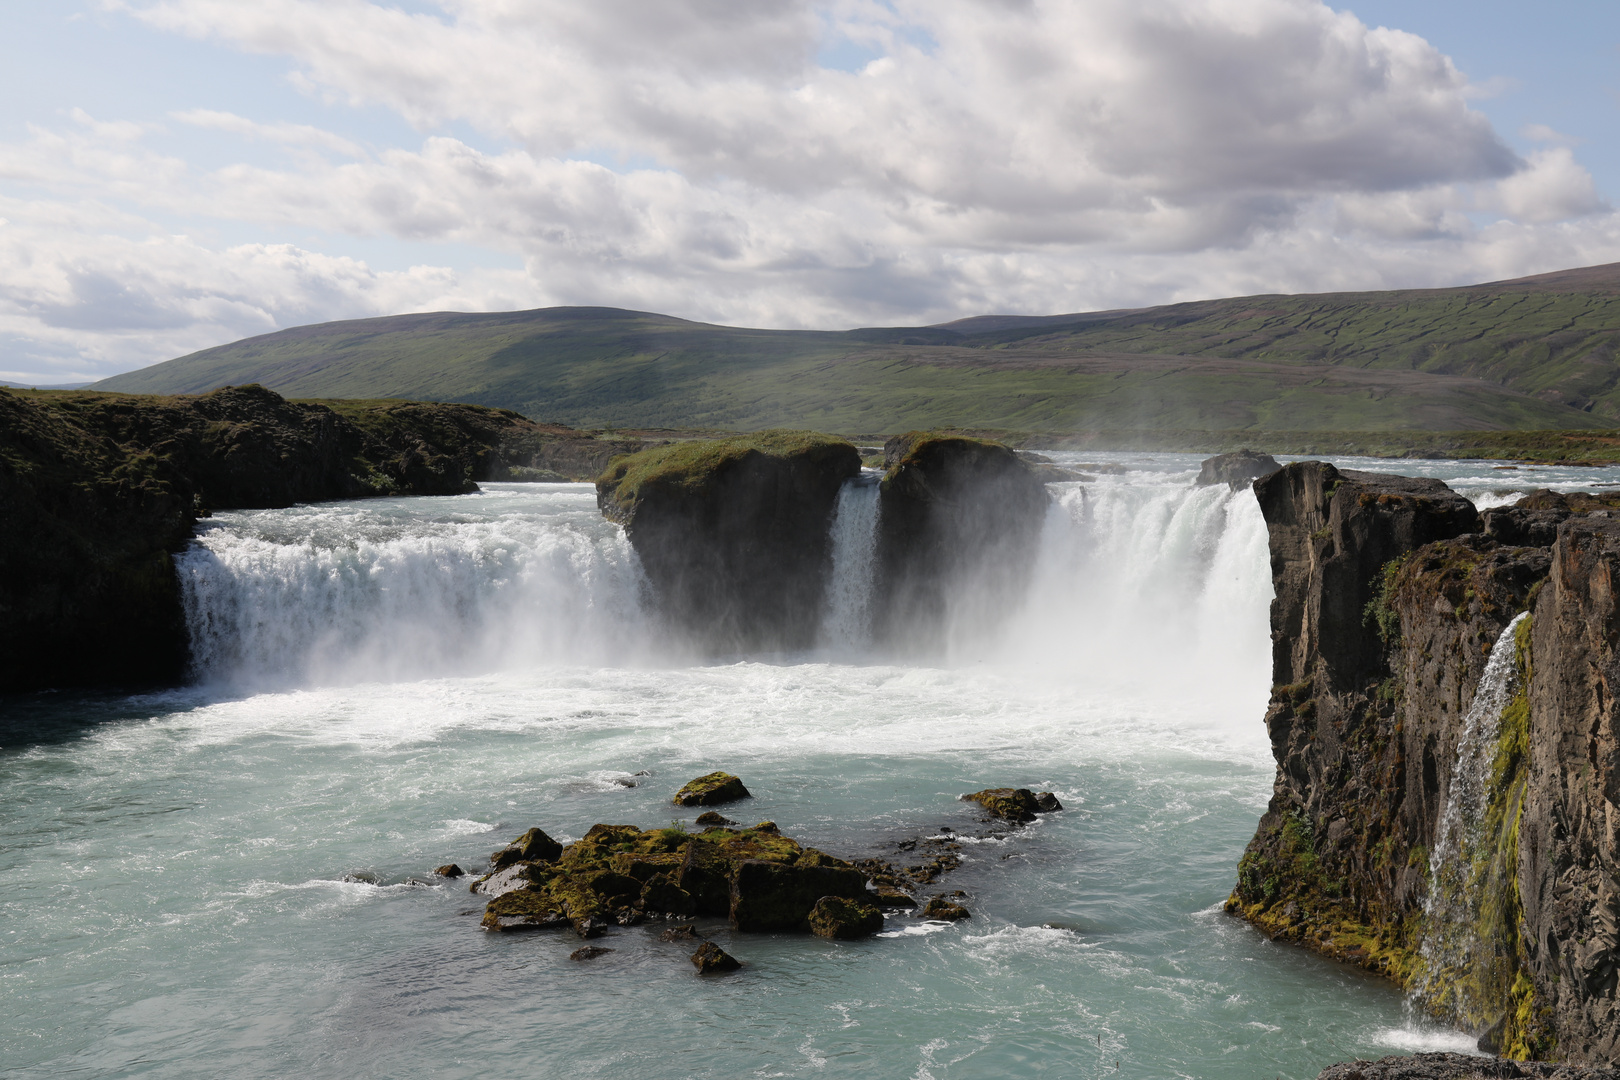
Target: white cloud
{"type": "Point", "coordinates": [1015, 155]}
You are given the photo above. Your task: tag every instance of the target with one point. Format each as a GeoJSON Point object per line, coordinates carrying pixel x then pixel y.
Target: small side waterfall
{"type": "Point", "coordinates": [847, 622]}
{"type": "Point", "coordinates": [1466, 967]}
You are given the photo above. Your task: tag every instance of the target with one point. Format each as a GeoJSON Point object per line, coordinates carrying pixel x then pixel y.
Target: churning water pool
{"type": "Point", "coordinates": [390, 685]}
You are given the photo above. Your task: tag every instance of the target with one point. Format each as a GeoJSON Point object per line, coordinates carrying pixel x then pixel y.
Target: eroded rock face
{"type": "Point", "coordinates": [1365, 719]}
{"type": "Point", "coordinates": [1459, 1067]}
{"type": "Point", "coordinates": [734, 534]}
{"type": "Point", "coordinates": [958, 524]}
{"type": "Point", "coordinates": [1569, 838]}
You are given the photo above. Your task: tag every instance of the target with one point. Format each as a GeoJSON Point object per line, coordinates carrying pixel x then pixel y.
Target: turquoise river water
{"type": "Point", "coordinates": [389, 685]}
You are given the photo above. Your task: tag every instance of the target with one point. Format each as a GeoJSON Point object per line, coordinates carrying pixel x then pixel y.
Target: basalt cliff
{"type": "Point", "coordinates": [1447, 802]}
{"type": "Point", "coordinates": [99, 490]}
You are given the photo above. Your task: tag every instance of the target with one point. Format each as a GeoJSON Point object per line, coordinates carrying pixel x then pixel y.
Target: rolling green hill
{"type": "Point", "coordinates": [1536, 353]}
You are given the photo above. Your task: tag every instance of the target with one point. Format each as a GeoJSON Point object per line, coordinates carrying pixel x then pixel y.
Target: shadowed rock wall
{"type": "Point", "coordinates": [959, 522]}
{"type": "Point", "coordinates": [1390, 596]}
{"type": "Point", "coordinates": [734, 534]}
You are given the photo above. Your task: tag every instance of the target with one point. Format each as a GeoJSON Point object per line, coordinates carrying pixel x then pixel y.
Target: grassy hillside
{"type": "Point", "coordinates": [1532, 354]}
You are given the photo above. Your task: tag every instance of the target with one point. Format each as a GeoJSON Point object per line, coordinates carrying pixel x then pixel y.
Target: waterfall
{"type": "Point", "coordinates": [1460, 962]}
{"type": "Point", "coordinates": [1149, 584]}
{"type": "Point", "coordinates": [402, 589]}
{"type": "Point", "coordinates": [1140, 583]}
{"type": "Point", "coordinates": [846, 624]}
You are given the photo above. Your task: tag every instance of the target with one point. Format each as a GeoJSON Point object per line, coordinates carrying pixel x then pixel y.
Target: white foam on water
{"type": "Point", "coordinates": [1427, 1040]}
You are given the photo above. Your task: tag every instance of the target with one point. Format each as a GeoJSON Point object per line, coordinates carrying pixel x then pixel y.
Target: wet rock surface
{"type": "Point", "coordinates": [712, 790]}
{"type": "Point", "coordinates": [945, 910]}
{"type": "Point", "coordinates": [844, 919]}
{"type": "Point", "coordinates": [711, 959]}
{"type": "Point", "coordinates": [1017, 805]}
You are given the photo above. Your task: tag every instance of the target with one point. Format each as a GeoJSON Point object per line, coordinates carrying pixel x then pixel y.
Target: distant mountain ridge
{"type": "Point", "coordinates": [1540, 352]}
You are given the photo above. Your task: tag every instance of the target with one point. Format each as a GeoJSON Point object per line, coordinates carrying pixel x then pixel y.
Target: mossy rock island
{"type": "Point", "coordinates": [712, 790]}
{"type": "Point", "coordinates": [958, 525]}
{"type": "Point", "coordinates": [734, 534]}
{"type": "Point", "coordinates": [619, 875]}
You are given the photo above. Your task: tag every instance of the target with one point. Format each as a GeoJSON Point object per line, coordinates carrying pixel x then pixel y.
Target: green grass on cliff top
{"type": "Point", "coordinates": [1541, 353]}
{"type": "Point", "coordinates": [690, 464]}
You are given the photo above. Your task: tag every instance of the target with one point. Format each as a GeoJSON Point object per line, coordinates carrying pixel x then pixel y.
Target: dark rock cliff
{"type": "Point", "coordinates": [1390, 597]}
{"type": "Point", "coordinates": [1569, 835]}
{"type": "Point", "coordinates": [100, 489]}
{"type": "Point", "coordinates": [958, 524]}
{"type": "Point", "coordinates": [733, 534]}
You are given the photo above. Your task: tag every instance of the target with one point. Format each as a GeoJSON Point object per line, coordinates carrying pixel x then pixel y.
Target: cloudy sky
{"type": "Point", "coordinates": [176, 174]}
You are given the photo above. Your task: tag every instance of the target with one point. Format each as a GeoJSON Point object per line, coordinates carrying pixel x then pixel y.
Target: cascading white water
{"type": "Point", "coordinates": [1453, 949]}
{"type": "Point", "coordinates": [1146, 583]}
{"type": "Point", "coordinates": [847, 622]}
{"type": "Point", "coordinates": [367, 591]}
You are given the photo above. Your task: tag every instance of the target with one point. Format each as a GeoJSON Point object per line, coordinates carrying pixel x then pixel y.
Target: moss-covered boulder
{"type": "Point", "coordinates": [768, 896]}
{"type": "Point", "coordinates": [943, 910]}
{"type": "Point", "coordinates": [734, 534]}
{"type": "Point", "coordinates": [958, 523]}
{"type": "Point", "coordinates": [532, 846]}
{"type": "Point", "coordinates": [711, 959]}
{"type": "Point", "coordinates": [711, 790]}
{"type": "Point", "coordinates": [844, 918]}
{"type": "Point", "coordinates": [1015, 804]}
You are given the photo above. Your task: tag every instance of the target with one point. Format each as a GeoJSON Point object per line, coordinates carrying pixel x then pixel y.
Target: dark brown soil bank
{"type": "Point", "coordinates": [100, 489]}
{"type": "Point", "coordinates": [1391, 594]}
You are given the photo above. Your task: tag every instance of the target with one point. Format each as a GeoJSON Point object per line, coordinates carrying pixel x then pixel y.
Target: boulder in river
{"type": "Point", "coordinates": [709, 817]}
{"type": "Point", "coordinates": [768, 896]}
{"type": "Point", "coordinates": [449, 870]}
{"type": "Point", "coordinates": [1236, 469]}
{"type": "Point", "coordinates": [711, 790]}
{"type": "Point", "coordinates": [944, 910]}
{"type": "Point", "coordinates": [532, 846]}
{"type": "Point", "coordinates": [844, 919]}
{"type": "Point", "coordinates": [711, 959]}
{"type": "Point", "coordinates": [1015, 804]}
{"type": "Point", "coordinates": [588, 952]}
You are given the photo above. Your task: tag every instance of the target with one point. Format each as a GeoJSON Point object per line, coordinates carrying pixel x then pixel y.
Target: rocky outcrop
{"type": "Point", "coordinates": [1460, 1067]}
{"type": "Point", "coordinates": [101, 489]}
{"type": "Point", "coordinates": [733, 534]}
{"type": "Point", "coordinates": [1569, 835]}
{"type": "Point", "coordinates": [759, 879]}
{"type": "Point", "coordinates": [712, 789]}
{"type": "Point", "coordinates": [958, 523]}
{"type": "Point", "coordinates": [1236, 469]}
{"type": "Point", "coordinates": [1391, 597]}
{"type": "Point", "coordinates": [1017, 805]}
